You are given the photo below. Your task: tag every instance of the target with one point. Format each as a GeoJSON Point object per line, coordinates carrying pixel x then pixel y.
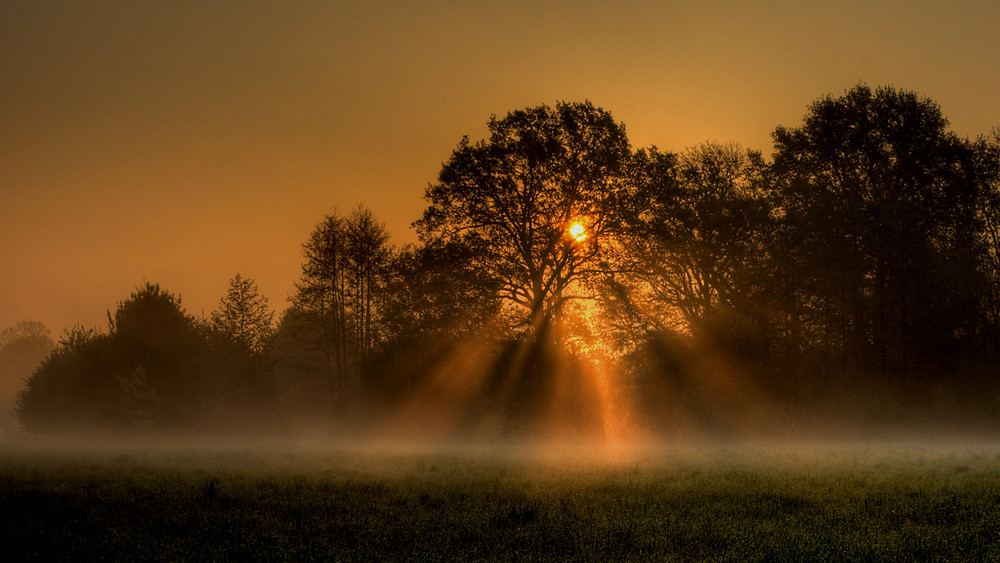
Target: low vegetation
{"type": "Point", "coordinates": [721, 503]}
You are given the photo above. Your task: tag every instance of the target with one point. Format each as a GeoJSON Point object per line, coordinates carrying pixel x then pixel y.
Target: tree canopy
{"type": "Point", "coordinates": [882, 201]}
{"type": "Point", "coordinates": [513, 199]}
{"type": "Point", "coordinates": [559, 270]}
{"type": "Point", "coordinates": [243, 316]}
{"type": "Point", "coordinates": [338, 298]}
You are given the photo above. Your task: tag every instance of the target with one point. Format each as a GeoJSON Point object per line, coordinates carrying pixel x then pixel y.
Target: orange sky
{"type": "Point", "coordinates": [181, 142]}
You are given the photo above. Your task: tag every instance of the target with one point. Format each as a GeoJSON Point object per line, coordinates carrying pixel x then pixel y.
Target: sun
{"type": "Point", "coordinates": [578, 232]}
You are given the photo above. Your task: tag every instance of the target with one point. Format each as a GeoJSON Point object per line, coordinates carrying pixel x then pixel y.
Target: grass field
{"type": "Point", "coordinates": [830, 503]}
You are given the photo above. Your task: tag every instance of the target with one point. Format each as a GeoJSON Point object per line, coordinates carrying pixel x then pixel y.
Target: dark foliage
{"type": "Point", "coordinates": [156, 370]}
{"type": "Point", "coordinates": [513, 198]}
{"type": "Point", "coordinates": [730, 294]}
{"type": "Point", "coordinates": [880, 203]}
{"type": "Point", "coordinates": [22, 348]}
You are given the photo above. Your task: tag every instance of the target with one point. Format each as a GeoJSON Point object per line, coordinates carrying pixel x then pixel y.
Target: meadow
{"type": "Point", "coordinates": [727, 503]}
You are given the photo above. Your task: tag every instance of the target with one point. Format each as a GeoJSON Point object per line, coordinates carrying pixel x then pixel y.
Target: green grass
{"type": "Point", "coordinates": [737, 503]}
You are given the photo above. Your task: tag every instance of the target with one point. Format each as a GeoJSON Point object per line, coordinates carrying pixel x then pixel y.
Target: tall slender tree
{"type": "Point", "coordinates": [337, 298]}
{"type": "Point", "coordinates": [368, 255]}
{"type": "Point", "coordinates": [320, 292]}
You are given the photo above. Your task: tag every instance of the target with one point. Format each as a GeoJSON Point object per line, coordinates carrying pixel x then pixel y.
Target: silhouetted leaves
{"type": "Point", "coordinates": [719, 286]}
{"type": "Point", "coordinates": [701, 241]}
{"type": "Point", "coordinates": [339, 296]}
{"type": "Point", "coordinates": [22, 347]}
{"type": "Point", "coordinates": [243, 317]}
{"type": "Point", "coordinates": [154, 371]}
{"type": "Point", "coordinates": [511, 199]}
{"type": "Point", "coordinates": [879, 203]}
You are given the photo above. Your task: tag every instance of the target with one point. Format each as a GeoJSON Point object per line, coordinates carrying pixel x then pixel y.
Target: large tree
{"type": "Point", "coordinates": [879, 201]}
{"type": "Point", "coordinates": [537, 202]}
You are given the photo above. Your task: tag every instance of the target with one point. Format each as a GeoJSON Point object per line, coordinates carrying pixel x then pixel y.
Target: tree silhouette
{"type": "Point", "coordinates": [320, 298]}
{"type": "Point", "coordinates": [243, 316]}
{"type": "Point", "coordinates": [513, 198]}
{"type": "Point", "coordinates": [149, 373]}
{"type": "Point", "coordinates": [988, 166]}
{"type": "Point", "coordinates": [73, 389]}
{"type": "Point", "coordinates": [882, 201]}
{"type": "Point", "coordinates": [159, 358]}
{"type": "Point", "coordinates": [699, 241]}
{"type": "Point", "coordinates": [368, 255]}
{"type": "Point", "coordinates": [22, 348]}
{"type": "Point", "coordinates": [869, 249]}
{"type": "Point", "coordinates": [241, 334]}
{"type": "Point", "coordinates": [335, 312]}
{"type": "Point", "coordinates": [435, 291]}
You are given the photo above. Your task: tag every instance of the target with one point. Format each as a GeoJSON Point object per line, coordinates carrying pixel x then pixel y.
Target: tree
{"type": "Point", "coordinates": [988, 167]}
{"type": "Point", "coordinates": [368, 255]}
{"type": "Point", "coordinates": [22, 348]}
{"type": "Point", "coordinates": [320, 297]}
{"type": "Point", "coordinates": [243, 316]}
{"type": "Point", "coordinates": [73, 389]}
{"type": "Point", "coordinates": [694, 292]}
{"type": "Point", "coordinates": [434, 291]}
{"type": "Point", "coordinates": [241, 333]}
{"type": "Point", "coordinates": [150, 372]}
{"type": "Point", "coordinates": [436, 308]}
{"type": "Point", "coordinates": [514, 198]}
{"type": "Point", "coordinates": [879, 205]}
{"type": "Point", "coordinates": [336, 305]}
{"type": "Point", "coordinates": [160, 360]}
{"type": "Point", "coordinates": [25, 331]}
{"type": "Point", "coordinates": [698, 244]}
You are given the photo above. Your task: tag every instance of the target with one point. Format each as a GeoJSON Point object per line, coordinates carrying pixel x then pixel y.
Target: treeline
{"type": "Point", "coordinates": [855, 274]}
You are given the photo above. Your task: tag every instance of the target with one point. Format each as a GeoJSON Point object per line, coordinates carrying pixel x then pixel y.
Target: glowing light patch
{"type": "Point", "coordinates": [578, 232]}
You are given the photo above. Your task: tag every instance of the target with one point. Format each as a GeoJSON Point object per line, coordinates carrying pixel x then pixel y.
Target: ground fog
{"type": "Point", "coordinates": [533, 502]}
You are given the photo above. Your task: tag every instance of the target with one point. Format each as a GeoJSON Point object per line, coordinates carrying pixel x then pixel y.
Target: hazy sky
{"type": "Point", "coordinates": [181, 142]}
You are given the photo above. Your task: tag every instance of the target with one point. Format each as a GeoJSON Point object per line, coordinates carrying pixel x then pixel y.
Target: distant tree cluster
{"type": "Point", "coordinates": [157, 369]}
{"type": "Point", "coordinates": [863, 257]}
{"type": "Point", "coordinates": [22, 347]}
